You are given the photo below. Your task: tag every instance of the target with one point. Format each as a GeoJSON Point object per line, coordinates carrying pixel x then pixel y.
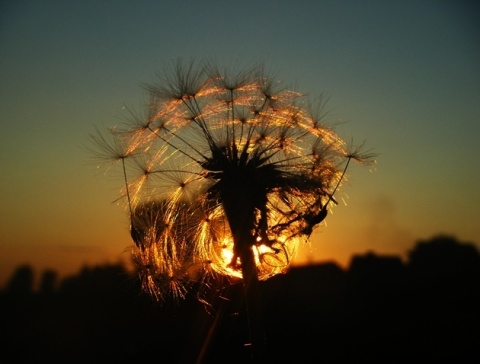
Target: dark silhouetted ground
{"type": "Point", "coordinates": [379, 310]}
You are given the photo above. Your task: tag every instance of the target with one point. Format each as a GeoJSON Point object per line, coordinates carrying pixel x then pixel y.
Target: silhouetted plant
{"type": "Point", "coordinates": [225, 174]}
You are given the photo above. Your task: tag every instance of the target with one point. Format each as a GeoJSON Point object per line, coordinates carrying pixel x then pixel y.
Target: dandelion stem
{"type": "Point", "coordinates": [253, 303]}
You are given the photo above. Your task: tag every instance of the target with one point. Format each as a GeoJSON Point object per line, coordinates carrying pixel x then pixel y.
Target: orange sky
{"type": "Point", "coordinates": [404, 78]}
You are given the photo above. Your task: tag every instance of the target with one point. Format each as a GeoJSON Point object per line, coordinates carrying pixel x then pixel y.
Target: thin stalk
{"type": "Point", "coordinates": [126, 188]}
{"type": "Point", "coordinates": [253, 301]}
{"type": "Point", "coordinates": [339, 181]}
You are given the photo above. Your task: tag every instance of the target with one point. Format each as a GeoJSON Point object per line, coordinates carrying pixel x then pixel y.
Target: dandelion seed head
{"type": "Point", "coordinates": [223, 162]}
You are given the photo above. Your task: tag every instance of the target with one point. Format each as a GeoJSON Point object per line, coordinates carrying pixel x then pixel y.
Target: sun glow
{"type": "Point", "coordinates": [268, 261]}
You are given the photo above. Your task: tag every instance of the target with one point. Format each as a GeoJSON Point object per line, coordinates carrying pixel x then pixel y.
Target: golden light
{"type": "Point", "coordinates": [268, 261]}
{"type": "Point", "coordinates": [224, 265]}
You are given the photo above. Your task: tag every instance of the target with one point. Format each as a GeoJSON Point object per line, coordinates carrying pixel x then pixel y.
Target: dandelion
{"type": "Point", "coordinates": [225, 174]}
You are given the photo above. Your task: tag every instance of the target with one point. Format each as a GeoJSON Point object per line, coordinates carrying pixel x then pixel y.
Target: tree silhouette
{"type": "Point", "coordinates": [21, 282]}
{"type": "Point", "coordinates": [443, 256]}
{"type": "Point", "coordinates": [225, 174]}
{"type": "Point", "coordinates": [48, 281]}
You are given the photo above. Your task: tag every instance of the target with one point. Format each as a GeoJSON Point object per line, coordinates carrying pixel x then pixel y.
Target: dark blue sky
{"type": "Point", "coordinates": [402, 75]}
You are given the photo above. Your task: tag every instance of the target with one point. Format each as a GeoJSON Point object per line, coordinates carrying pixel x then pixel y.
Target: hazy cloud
{"type": "Point", "coordinates": [383, 230]}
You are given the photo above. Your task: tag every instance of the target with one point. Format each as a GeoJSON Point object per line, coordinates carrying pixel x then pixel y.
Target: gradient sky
{"type": "Point", "coordinates": [403, 75]}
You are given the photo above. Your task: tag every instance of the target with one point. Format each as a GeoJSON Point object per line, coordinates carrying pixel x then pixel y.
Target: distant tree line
{"type": "Point", "coordinates": [379, 309]}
